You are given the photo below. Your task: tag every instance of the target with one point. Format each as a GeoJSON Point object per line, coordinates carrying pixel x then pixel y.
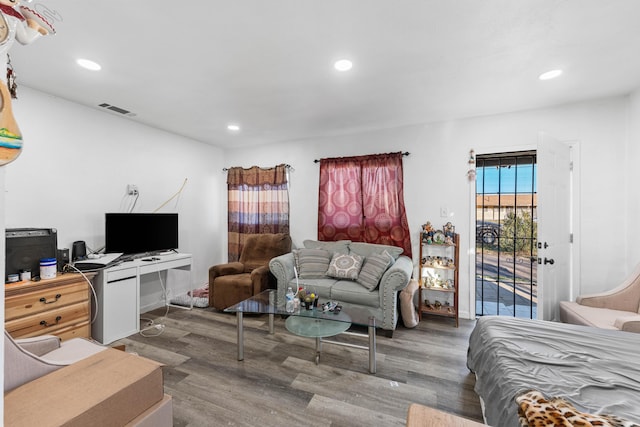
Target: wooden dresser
{"type": "Point", "coordinates": [60, 306]}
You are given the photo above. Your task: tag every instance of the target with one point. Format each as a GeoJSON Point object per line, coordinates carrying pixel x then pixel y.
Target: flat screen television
{"type": "Point", "coordinates": [138, 233]}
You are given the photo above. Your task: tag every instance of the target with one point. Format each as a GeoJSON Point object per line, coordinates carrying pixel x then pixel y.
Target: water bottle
{"type": "Point", "coordinates": [289, 297]}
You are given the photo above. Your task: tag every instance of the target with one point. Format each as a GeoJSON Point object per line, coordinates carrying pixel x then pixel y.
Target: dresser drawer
{"type": "Point", "coordinates": [49, 322]}
{"type": "Point", "coordinates": [44, 300]}
{"type": "Point", "coordinates": [81, 330]}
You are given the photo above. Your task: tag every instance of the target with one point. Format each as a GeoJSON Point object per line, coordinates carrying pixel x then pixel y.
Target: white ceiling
{"type": "Point", "coordinates": [193, 67]}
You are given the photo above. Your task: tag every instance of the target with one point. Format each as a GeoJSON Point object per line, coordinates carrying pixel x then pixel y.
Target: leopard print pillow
{"type": "Point", "coordinates": [534, 410]}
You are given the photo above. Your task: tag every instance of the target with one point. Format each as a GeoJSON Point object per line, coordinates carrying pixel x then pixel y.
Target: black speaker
{"type": "Point", "coordinates": [63, 258]}
{"type": "Point", "coordinates": [78, 251]}
{"type": "Point", "coordinates": [25, 247]}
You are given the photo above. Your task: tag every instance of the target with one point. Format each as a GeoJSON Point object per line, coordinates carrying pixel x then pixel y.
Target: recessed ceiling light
{"type": "Point", "coordinates": [343, 65]}
{"type": "Point", "coordinates": [88, 64]}
{"type": "Point", "coordinates": [550, 75]}
{"type": "Point", "coordinates": [233, 127]}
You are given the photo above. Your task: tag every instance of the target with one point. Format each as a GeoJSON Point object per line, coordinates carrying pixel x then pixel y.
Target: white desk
{"type": "Point", "coordinates": [118, 294]}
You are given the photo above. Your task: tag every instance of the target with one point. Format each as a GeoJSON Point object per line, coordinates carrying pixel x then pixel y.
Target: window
{"type": "Point", "coordinates": [362, 199]}
{"type": "Point", "coordinates": [258, 202]}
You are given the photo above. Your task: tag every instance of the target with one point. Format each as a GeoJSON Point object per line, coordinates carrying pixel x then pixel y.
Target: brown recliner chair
{"type": "Point", "coordinates": [236, 281]}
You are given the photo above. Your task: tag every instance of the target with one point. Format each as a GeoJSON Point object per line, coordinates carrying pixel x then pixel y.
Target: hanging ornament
{"type": "Point", "coordinates": [471, 173]}
{"type": "Point", "coordinates": [11, 79]}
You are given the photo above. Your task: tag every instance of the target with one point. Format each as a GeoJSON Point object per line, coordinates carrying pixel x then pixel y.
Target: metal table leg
{"type": "Point", "coordinates": [272, 300]}
{"type": "Point", "coordinates": [240, 335]}
{"type": "Point", "coordinates": [318, 349]}
{"type": "Point", "coordinates": [372, 345]}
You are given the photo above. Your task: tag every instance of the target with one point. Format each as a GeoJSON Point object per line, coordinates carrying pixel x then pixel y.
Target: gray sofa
{"type": "Point", "coordinates": [382, 274]}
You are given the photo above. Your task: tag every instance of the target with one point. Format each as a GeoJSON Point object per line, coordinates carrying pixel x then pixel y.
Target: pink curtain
{"type": "Point", "coordinates": [258, 203]}
{"type": "Point", "coordinates": [340, 200]}
{"type": "Point", "coordinates": [362, 199]}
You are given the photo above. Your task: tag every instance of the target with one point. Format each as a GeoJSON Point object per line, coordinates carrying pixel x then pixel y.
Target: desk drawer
{"type": "Point", "coordinates": [127, 273]}
{"type": "Point", "coordinates": [49, 322]}
{"type": "Point", "coordinates": [44, 300]}
{"type": "Point", "coordinates": [165, 264]}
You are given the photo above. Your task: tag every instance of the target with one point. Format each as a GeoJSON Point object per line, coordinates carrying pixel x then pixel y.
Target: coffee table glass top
{"type": "Point", "coordinates": [314, 327]}
{"type": "Point", "coordinates": [266, 303]}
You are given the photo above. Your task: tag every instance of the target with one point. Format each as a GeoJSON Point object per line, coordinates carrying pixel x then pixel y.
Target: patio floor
{"type": "Point", "coordinates": [495, 298]}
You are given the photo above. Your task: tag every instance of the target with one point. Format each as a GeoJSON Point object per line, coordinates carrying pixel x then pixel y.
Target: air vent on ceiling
{"type": "Point", "coordinates": [117, 109]}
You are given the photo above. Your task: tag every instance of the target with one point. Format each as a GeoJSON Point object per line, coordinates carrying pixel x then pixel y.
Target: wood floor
{"type": "Point", "coordinates": [279, 384]}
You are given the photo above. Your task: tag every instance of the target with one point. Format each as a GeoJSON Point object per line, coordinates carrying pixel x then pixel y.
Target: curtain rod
{"type": "Point", "coordinates": [406, 153]}
{"type": "Point", "coordinates": [286, 166]}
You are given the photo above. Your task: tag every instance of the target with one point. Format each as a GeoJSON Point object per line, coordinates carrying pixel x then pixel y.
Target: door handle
{"type": "Point", "coordinates": [548, 261]}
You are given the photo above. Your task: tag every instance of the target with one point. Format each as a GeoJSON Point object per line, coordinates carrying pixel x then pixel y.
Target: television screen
{"type": "Point", "coordinates": [136, 233]}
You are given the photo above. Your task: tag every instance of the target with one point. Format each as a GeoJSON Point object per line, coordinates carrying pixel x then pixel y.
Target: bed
{"type": "Point", "coordinates": [595, 370]}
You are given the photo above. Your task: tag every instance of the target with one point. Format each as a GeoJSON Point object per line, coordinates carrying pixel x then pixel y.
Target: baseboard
{"type": "Point", "coordinates": [152, 306]}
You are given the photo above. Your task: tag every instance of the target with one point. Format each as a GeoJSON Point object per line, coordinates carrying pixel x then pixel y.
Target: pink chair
{"type": "Point", "coordinates": [29, 358]}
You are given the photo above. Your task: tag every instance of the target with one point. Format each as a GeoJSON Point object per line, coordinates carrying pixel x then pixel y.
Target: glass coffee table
{"type": "Point", "coordinates": [313, 323]}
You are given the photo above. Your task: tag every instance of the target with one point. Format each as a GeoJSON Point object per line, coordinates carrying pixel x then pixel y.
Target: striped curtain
{"type": "Point", "coordinates": [258, 203]}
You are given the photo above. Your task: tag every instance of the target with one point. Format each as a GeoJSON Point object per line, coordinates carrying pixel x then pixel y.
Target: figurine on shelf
{"type": "Point", "coordinates": [427, 232]}
{"type": "Point", "coordinates": [449, 230]}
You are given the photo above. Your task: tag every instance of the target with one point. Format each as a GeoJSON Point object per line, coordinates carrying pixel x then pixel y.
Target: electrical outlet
{"type": "Point", "coordinates": [444, 211]}
{"type": "Point", "coordinates": [132, 190]}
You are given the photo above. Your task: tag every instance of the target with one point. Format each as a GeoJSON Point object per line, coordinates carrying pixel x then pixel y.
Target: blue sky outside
{"type": "Point", "coordinates": [516, 179]}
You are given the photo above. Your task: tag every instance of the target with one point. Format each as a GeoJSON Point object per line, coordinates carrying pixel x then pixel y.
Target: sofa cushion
{"type": "Point", "coordinates": [312, 263]}
{"type": "Point", "coordinates": [374, 267]}
{"type": "Point", "coordinates": [577, 314]}
{"type": "Point", "coordinates": [321, 287]}
{"type": "Point", "coordinates": [366, 249]}
{"type": "Point", "coordinates": [351, 292]}
{"type": "Point", "coordinates": [345, 266]}
{"type": "Point", "coordinates": [341, 246]}
{"type": "Point", "coordinates": [258, 249]}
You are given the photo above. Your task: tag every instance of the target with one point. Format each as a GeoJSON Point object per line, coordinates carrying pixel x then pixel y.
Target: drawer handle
{"type": "Point", "coordinates": [44, 300]}
{"type": "Point", "coordinates": [46, 325]}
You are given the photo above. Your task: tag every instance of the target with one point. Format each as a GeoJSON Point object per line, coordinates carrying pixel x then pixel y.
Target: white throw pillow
{"type": "Point", "coordinates": [345, 266]}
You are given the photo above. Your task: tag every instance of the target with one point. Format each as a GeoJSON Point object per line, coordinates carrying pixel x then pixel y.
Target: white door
{"type": "Point", "coordinates": [554, 174]}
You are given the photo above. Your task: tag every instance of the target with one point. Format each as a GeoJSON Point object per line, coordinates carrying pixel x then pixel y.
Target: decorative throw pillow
{"type": "Point", "coordinates": [345, 266]}
{"type": "Point", "coordinates": [312, 263]}
{"type": "Point", "coordinates": [374, 267]}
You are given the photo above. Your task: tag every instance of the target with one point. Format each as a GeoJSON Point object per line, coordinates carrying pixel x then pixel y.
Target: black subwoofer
{"type": "Point", "coordinates": [25, 247]}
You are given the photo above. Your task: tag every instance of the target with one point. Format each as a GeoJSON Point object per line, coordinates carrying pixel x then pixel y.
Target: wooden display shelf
{"type": "Point", "coordinates": [442, 311]}
{"type": "Point", "coordinates": [438, 267]}
{"type": "Point", "coordinates": [437, 288]}
{"type": "Point", "coordinates": [448, 274]}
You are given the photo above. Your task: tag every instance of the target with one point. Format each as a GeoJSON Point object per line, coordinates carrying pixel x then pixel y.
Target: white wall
{"type": "Point", "coordinates": [631, 183]}
{"type": "Point", "coordinates": [435, 176]}
{"type": "Point", "coordinates": [76, 165]}
{"type": "Point", "coordinates": [77, 162]}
